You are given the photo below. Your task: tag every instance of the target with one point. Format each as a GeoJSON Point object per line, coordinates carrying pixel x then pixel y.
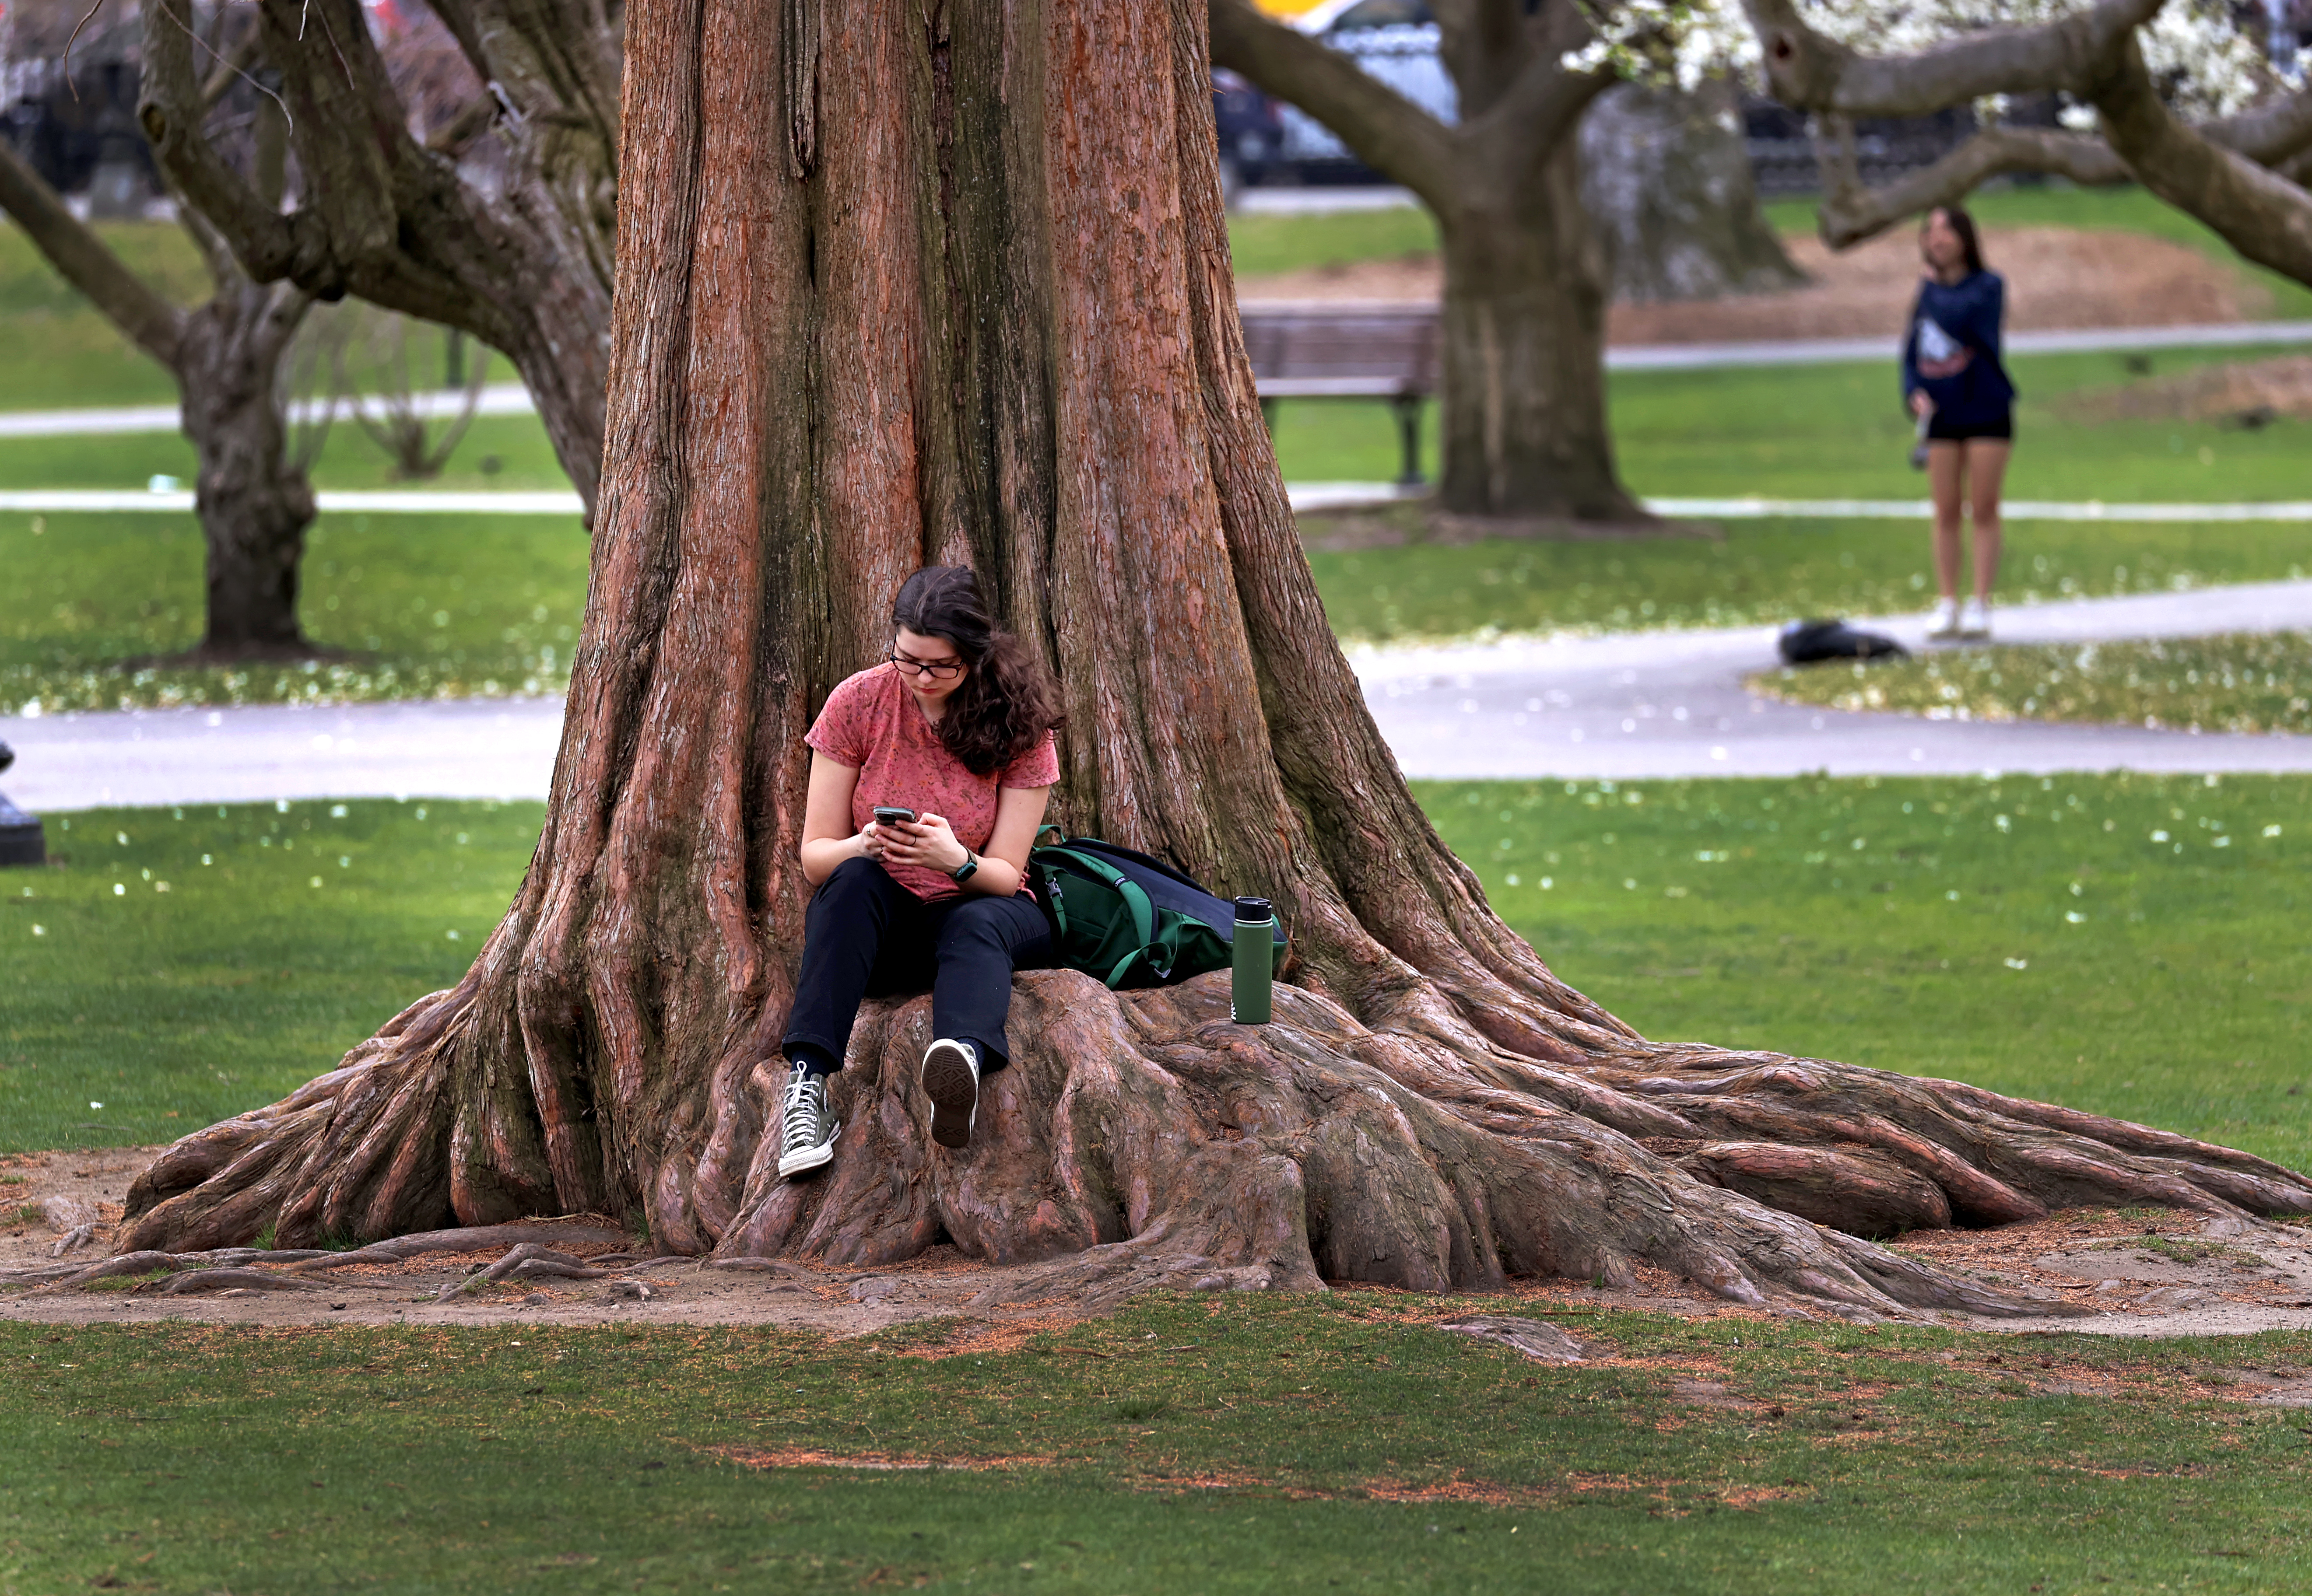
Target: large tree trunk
{"type": "Point", "coordinates": [1668, 184]}
{"type": "Point", "coordinates": [1524, 344]}
{"type": "Point", "coordinates": [253, 501]}
{"type": "Point", "coordinates": [892, 291]}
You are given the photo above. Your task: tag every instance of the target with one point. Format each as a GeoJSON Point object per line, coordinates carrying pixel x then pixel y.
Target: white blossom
{"type": "Point", "coordinates": [2198, 49]}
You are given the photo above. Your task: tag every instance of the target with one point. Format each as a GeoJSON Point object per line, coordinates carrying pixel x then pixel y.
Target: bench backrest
{"type": "Point", "coordinates": [1297, 342]}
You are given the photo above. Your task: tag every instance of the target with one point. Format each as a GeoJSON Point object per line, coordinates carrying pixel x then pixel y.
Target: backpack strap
{"type": "Point", "coordinates": [1136, 900]}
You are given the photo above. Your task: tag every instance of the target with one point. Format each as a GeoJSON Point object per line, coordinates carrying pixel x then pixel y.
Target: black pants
{"type": "Point", "coordinates": [866, 936]}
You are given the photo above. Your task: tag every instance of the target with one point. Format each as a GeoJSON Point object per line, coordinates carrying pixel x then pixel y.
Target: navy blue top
{"type": "Point", "coordinates": [1951, 351]}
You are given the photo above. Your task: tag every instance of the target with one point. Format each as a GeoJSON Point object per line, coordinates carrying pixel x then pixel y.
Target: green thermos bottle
{"type": "Point", "coordinates": [1255, 962]}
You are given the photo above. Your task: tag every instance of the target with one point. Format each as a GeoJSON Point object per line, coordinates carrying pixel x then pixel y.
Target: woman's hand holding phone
{"type": "Point", "coordinates": [927, 841]}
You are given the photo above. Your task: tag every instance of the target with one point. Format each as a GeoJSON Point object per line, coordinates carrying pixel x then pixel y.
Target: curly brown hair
{"type": "Point", "coordinates": [1006, 702]}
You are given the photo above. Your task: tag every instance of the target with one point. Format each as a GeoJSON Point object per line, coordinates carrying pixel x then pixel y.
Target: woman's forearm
{"type": "Point", "coordinates": [998, 878]}
{"type": "Point", "coordinates": [821, 856]}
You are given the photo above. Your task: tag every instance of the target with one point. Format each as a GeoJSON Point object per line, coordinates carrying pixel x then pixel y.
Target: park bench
{"type": "Point", "coordinates": [1343, 352]}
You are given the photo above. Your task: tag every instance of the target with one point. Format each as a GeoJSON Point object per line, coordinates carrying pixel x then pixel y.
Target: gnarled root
{"type": "Point", "coordinates": [1145, 1140]}
{"type": "Point", "coordinates": [359, 1152]}
{"type": "Point", "coordinates": [1150, 1141]}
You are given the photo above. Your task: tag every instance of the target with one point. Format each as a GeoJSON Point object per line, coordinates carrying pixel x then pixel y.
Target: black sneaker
{"type": "Point", "coordinates": [806, 1135]}
{"type": "Point", "coordinates": [952, 1081]}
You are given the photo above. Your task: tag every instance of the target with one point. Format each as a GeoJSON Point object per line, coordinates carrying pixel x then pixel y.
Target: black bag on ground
{"type": "Point", "coordinates": [1128, 919]}
{"type": "Point", "coordinates": [1810, 642]}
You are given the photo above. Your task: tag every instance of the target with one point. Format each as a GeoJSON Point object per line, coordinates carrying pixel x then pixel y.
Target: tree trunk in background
{"type": "Point", "coordinates": [253, 499]}
{"type": "Point", "coordinates": [1522, 391]}
{"type": "Point", "coordinates": [1668, 184]}
{"type": "Point", "coordinates": [1523, 400]}
{"type": "Point", "coordinates": [898, 286]}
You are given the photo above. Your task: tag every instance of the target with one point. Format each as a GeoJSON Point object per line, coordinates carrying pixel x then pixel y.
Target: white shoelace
{"type": "Point", "coordinates": [799, 1121]}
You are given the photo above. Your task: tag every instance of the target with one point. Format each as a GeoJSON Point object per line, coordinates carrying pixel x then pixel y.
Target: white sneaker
{"type": "Point", "coordinates": [952, 1081]}
{"type": "Point", "coordinates": [1974, 620]}
{"type": "Point", "coordinates": [806, 1135]}
{"type": "Point", "coordinates": [1946, 626]}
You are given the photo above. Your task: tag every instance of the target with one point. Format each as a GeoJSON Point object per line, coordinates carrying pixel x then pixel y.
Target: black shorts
{"type": "Point", "coordinates": [2000, 428]}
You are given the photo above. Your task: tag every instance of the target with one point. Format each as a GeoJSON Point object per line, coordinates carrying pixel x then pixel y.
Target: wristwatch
{"type": "Point", "coordinates": [966, 870]}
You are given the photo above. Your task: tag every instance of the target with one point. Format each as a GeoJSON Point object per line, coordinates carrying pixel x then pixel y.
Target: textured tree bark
{"type": "Point", "coordinates": [1523, 392]}
{"type": "Point", "coordinates": [1667, 182]}
{"type": "Point", "coordinates": [1522, 409]}
{"type": "Point", "coordinates": [251, 496]}
{"type": "Point", "coordinates": [899, 286]}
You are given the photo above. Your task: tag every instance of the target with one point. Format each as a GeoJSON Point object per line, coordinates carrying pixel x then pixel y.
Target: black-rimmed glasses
{"type": "Point", "coordinates": [945, 670]}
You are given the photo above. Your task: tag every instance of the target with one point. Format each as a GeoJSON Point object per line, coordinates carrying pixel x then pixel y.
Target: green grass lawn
{"type": "Point", "coordinates": [60, 352]}
{"type": "Point", "coordinates": [2243, 682]}
{"type": "Point", "coordinates": [177, 966]}
{"type": "Point", "coordinates": [1837, 431]}
{"type": "Point", "coordinates": [1764, 571]}
{"type": "Point", "coordinates": [425, 605]}
{"type": "Point", "coordinates": [1190, 1445]}
{"type": "Point", "coordinates": [1186, 1445]}
{"type": "Point", "coordinates": [497, 452]}
{"type": "Point", "coordinates": [1822, 922]}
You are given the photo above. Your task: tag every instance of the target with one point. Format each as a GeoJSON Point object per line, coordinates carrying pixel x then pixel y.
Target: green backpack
{"type": "Point", "coordinates": [1129, 920]}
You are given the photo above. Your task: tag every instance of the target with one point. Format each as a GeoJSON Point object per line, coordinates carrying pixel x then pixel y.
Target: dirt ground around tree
{"type": "Point", "coordinates": [2057, 277]}
{"type": "Point", "coordinates": [2134, 1272]}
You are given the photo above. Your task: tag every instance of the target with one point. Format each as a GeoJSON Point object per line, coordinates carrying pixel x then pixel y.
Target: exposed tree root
{"type": "Point", "coordinates": [197, 1282]}
{"type": "Point", "coordinates": [528, 1241]}
{"type": "Point", "coordinates": [1145, 1140]}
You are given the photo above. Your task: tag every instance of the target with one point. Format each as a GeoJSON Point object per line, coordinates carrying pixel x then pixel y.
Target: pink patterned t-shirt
{"type": "Point", "coordinates": [873, 723]}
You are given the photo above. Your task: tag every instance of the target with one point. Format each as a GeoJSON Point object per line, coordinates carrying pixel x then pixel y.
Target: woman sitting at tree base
{"type": "Point", "coordinates": [954, 727]}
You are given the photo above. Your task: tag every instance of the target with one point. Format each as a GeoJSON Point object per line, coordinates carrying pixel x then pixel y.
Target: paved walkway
{"type": "Point", "coordinates": [1303, 495]}
{"type": "Point", "coordinates": [1628, 705]}
{"type": "Point", "coordinates": [389, 502]}
{"type": "Point", "coordinates": [1823, 351]}
{"type": "Point", "coordinates": [1346, 495]}
{"type": "Point", "coordinates": [1671, 703]}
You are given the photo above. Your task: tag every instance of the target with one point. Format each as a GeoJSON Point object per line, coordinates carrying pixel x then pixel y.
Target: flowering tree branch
{"type": "Point", "coordinates": [2218, 169]}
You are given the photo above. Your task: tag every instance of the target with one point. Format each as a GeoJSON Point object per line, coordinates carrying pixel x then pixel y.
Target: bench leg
{"type": "Point", "coordinates": [1407, 407]}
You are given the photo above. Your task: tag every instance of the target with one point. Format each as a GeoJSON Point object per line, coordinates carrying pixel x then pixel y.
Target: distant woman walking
{"type": "Point", "coordinates": [1953, 381]}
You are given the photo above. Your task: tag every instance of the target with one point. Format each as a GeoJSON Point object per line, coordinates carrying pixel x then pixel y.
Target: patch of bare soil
{"type": "Point", "coordinates": [2130, 1274]}
{"type": "Point", "coordinates": [2056, 277]}
{"type": "Point", "coordinates": [2249, 394]}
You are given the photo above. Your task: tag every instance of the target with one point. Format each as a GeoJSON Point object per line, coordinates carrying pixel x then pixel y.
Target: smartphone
{"type": "Point", "coordinates": [890, 815]}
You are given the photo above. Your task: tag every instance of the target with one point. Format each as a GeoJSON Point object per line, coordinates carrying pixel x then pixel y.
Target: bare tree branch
{"type": "Point", "coordinates": [1539, 110]}
{"type": "Point", "coordinates": [522, 264]}
{"type": "Point", "coordinates": [1806, 69]}
{"type": "Point", "coordinates": [1852, 212]}
{"type": "Point", "coordinates": [1487, 46]}
{"type": "Point", "coordinates": [269, 245]}
{"type": "Point", "coordinates": [2269, 135]}
{"type": "Point", "coordinates": [73, 248]}
{"type": "Point", "coordinates": [1387, 131]}
{"type": "Point", "coordinates": [2265, 217]}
